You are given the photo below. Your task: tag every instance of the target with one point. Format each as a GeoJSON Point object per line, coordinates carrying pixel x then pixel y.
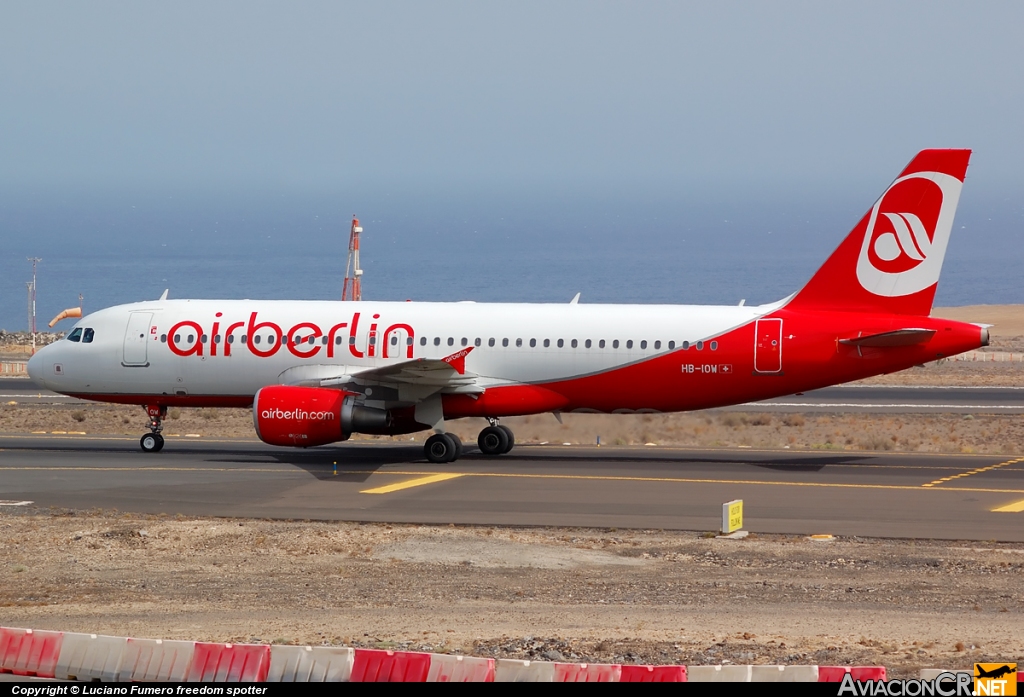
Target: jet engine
{"type": "Point", "coordinates": [307, 416]}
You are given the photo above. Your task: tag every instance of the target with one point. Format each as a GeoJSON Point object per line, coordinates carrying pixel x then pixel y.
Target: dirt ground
{"type": "Point", "coordinates": [551, 594]}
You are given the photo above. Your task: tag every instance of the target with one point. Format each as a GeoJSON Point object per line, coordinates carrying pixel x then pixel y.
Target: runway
{"type": "Point", "coordinates": [799, 493]}
{"type": "Point", "coordinates": [841, 398]}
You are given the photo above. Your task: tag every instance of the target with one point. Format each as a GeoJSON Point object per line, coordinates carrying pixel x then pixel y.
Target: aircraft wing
{"type": "Point", "coordinates": [438, 373]}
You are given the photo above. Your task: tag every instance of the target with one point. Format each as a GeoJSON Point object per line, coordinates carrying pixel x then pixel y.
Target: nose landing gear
{"type": "Point", "coordinates": [153, 442]}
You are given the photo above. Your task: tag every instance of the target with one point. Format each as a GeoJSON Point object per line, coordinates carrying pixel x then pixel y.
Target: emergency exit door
{"type": "Point", "coordinates": [136, 338]}
{"type": "Point", "coordinates": [768, 346]}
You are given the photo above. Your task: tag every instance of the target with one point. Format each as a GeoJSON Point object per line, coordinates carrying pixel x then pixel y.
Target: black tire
{"type": "Point", "coordinates": [439, 448]}
{"type": "Point", "coordinates": [458, 446]}
{"type": "Point", "coordinates": [511, 438]}
{"type": "Point", "coordinates": [151, 443]}
{"type": "Point", "coordinates": [493, 441]}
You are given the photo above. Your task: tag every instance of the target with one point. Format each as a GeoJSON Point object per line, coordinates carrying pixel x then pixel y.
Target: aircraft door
{"type": "Point", "coordinates": [768, 346]}
{"type": "Point", "coordinates": [136, 338]}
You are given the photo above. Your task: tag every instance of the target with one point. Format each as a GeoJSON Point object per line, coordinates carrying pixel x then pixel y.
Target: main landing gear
{"type": "Point", "coordinates": [153, 442]}
{"type": "Point", "coordinates": [446, 447]}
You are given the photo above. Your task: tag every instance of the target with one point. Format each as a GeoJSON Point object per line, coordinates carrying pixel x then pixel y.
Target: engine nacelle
{"type": "Point", "coordinates": [308, 416]}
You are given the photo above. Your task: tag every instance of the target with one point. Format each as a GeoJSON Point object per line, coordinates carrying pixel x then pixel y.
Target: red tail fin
{"type": "Point", "coordinates": [891, 260]}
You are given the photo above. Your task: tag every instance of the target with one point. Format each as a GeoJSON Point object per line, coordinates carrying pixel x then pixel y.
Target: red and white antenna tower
{"type": "Point", "coordinates": [353, 288]}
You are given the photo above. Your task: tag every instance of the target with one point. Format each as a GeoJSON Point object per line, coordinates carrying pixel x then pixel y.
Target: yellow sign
{"type": "Point", "coordinates": [732, 516]}
{"type": "Point", "coordinates": [995, 679]}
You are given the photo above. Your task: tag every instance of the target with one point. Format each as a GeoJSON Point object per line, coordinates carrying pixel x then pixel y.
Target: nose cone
{"type": "Point", "coordinates": [35, 367]}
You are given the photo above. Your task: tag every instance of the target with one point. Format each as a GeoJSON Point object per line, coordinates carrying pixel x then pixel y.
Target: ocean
{"type": "Point", "coordinates": [499, 247]}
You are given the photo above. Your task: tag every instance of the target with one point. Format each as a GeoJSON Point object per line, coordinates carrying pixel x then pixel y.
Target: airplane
{"type": "Point", "coordinates": [316, 372]}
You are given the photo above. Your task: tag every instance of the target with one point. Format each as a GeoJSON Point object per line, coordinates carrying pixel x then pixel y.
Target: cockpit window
{"type": "Point", "coordinates": [87, 336]}
{"type": "Point", "coordinates": [75, 335]}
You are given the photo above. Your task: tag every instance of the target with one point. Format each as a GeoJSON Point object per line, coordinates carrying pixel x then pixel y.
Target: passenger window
{"type": "Point", "coordinates": [311, 340]}
{"type": "Point", "coordinates": [373, 341]}
{"type": "Point", "coordinates": [245, 338]}
{"type": "Point", "coordinates": [437, 341]}
{"type": "Point", "coordinates": [561, 343]}
{"type": "Point", "coordinates": [671, 345]}
{"type": "Point", "coordinates": [547, 342]}
{"type": "Point", "coordinates": [177, 338]}
{"type": "Point", "coordinates": [465, 341]}
{"type": "Point", "coordinates": [216, 338]}
{"type": "Point", "coordinates": [600, 344]}
{"type": "Point", "coordinates": [324, 340]}
{"type": "Point", "coordinates": [686, 345]}
{"type": "Point", "coordinates": [231, 338]}
{"type": "Point", "coordinates": [163, 338]}
{"type": "Point", "coordinates": [87, 336]}
{"type": "Point", "coordinates": [76, 335]}
{"type": "Point", "coordinates": [615, 344]}
{"type": "Point", "coordinates": [256, 339]}
{"type": "Point", "coordinates": [490, 342]}
{"type": "Point", "coordinates": [394, 341]}
{"type": "Point", "coordinates": [202, 339]}
{"type": "Point", "coordinates": [700, 345]}
{"type": "Point", "coordinates": [408, 341]}
{"type": "Point", "coordinates": [519, 342]}
{"type": "Point", "coordinates": [588, 343]}
{"type": "Point", "coordinates": [191, 338]}
{"type": "Point", "coordinates": [477, 342]}
{"type": "Point", "coordinates": [451, 341]}
{"type": "Point", "coordinates": [504, 342]}
{"type": "Point", "coordinates": [423, 341]}
{"type": "Point", "coordinates": [714, 345]}
{"type": "Point", "coordinates": [629, 343]}
{"type": "Point", "coordinates": [351, 341]}
{"type": "Point", "coordinates": [533, 343]}
{"type": "Point", "coordinates": [643, 344]}
{"type": "Point", "coordinates": [270, 339]}
{"type": "Point", "coordinates": [575, 343]}
{"type": "Point", "coordinates": [657, 345]}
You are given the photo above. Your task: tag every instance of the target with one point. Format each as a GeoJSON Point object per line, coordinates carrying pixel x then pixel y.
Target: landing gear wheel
{"type": "Point", "coordinates": [458, 446]}
{"type": "Point", "coordinates": [440, 448]}
{"type": "Point", "coordinates": [511, 438]}
{"type": "Point", "coordinates": [493, 440]}
{"type": "Point", "coordinates": [152, 443]}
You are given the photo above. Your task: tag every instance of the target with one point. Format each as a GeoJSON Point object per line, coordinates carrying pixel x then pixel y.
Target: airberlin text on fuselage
{"type": "Point", "coordinates": [304, 340]}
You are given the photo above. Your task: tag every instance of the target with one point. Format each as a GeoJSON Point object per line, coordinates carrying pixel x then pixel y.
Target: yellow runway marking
{"type": "Point", "coordinates": [410, 483]}
{"type": "Point", "coordinates": [1017, 507]}
{"type": "Point", "coordinates": [979, 470]}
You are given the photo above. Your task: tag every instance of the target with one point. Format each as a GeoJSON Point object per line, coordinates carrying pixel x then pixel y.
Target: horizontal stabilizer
{"type": "Point", "coordinates": [900, 337]}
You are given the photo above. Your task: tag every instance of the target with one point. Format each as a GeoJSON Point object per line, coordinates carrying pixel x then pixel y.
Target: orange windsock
{"type": "Point", "coordinates": [70, 312]}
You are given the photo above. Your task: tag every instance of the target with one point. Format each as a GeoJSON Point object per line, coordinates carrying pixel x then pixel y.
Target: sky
{"type": "Point", "coordinates": [582, 115]}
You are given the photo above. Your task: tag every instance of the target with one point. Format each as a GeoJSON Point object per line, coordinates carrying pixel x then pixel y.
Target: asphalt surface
{"type": "Point", "coordinates": [842, 398]}
{"type": "Point", "coordinates": [803, 493]}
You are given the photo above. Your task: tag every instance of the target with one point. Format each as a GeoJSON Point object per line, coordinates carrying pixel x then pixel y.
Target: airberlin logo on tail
{"type": "Point", "coordinates": [908, 229]}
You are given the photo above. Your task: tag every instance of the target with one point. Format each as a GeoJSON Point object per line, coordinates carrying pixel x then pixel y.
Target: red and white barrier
{"type": "Point", "coordinates": [448, 668]}
{"type": "Point", "coordinates": [862, 673]}
{"type": "Point", "coordinates": [28, 652]}
{"type": "Point", "coordinates": [229, 663]}
{"type": "Point", "coordinates": [310, 664]}
{"type": "Point", "coordinates": [156, 660]}
{"type": "Point", "coordinates": [90, 657]}
{"type": "Point", "coordinates": [96, 657]}
{"type": "Point", "coordinates": [372, 665]}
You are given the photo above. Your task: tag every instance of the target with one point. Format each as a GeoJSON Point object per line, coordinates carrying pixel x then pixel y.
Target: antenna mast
{"type": "Point", "coordinates": [353, 288]}
{"type": "Point", "coordinates": [32, 302]}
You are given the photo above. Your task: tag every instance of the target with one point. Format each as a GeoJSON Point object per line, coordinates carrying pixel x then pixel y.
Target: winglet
{"type": "Point", "coordinates": [164, 296]}
{"type": "Point", "coordinates": [458, 360]}
{"type": "Point", "coordinates": [575, 299]}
